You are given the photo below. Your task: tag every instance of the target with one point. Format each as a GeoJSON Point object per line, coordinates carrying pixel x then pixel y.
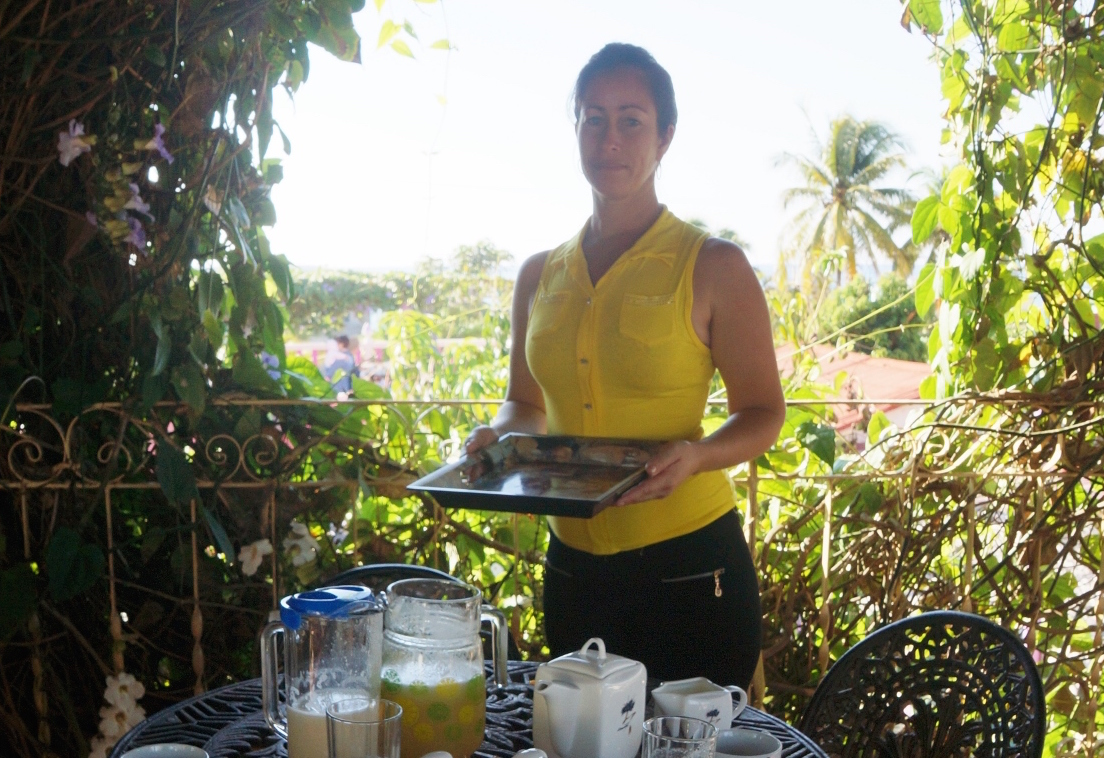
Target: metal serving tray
{"type": "Point", "coordinates": [544, 474]}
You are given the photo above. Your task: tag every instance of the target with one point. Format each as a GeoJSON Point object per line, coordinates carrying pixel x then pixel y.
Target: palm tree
{"type": "Point", "coordinates": [724, 233]}
{"type": "Point", "coordinates": [845, 213]}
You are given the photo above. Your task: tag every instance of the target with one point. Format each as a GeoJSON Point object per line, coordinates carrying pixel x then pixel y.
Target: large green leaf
{"type": "Point", "coordinates": [18, 597]}
{"type": "Point", "coordinates": [190, 387]}
{"type": "Point", "coordinates": [925, 219]}
{"type": "Point", "coordinates": [72, 566]}
{"type": "Point", "coordinates": [925, 290]}
{"type": "Point", "coordinates": [218, 533]}
{"type": "Point", "coordinates": [175, 475]}
{"type": "Point", "coordinates": [928, 14]}
{"type": "Point", "coordinates": [250, 373]}
{"type": "Point", "coordinates": [879, 423]}
{"type": "Point", "coordinates": [818, 439]}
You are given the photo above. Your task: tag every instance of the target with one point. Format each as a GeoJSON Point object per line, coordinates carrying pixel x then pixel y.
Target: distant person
{"type": "Point", "coordinates": [340, 359]}
{"type": "Point", "coordinates": [618, 333]}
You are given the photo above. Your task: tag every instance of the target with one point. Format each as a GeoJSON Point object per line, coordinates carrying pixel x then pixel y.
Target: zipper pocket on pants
{"type": "Point", "coordinates": [717, 592]}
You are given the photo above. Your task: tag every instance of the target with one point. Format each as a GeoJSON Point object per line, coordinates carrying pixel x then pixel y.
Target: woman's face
{"type": "Point", "coordinates": [619, 143]}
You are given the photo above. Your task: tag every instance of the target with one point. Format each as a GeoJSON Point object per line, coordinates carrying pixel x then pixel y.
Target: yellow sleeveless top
{"type": "Point", "coordinates": [621, 359]}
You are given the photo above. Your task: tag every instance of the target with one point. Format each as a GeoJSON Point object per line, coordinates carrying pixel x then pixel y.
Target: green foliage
{"type": "Point", "coordinates": [1017, 284]}
{"type": "Point", "coordinates": [884, 324]}
{"type": "Point", "coordinates": [73, 567]}
{"type": "Point", "coordinates": [459, 292]}
{"type": "Point", "coordinates": [18, 597]}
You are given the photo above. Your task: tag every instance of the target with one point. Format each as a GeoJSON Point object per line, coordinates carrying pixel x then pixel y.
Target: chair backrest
{"type": "Point", "coordinates": [377, 576]}
{"type": "Point", "coordinates": [943, 683]}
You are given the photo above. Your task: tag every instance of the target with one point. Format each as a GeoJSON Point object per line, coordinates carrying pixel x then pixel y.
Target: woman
{"type": "Point", "coordinates": [623, 327]}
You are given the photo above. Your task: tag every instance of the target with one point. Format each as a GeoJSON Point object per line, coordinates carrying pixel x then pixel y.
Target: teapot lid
{"type": "Point", "coordinates": [593, 663]}
{"type": "Point", "coordinates": [329, 602]}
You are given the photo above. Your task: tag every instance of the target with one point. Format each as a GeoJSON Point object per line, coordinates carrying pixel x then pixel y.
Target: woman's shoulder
{"type": "Point", "coordinates": [529, 273]}
{"type": "Point", "coordinates": [720, 256]}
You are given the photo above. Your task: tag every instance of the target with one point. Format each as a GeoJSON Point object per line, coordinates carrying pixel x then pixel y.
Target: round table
{"type": "Point", "coordinates": [227, 722]}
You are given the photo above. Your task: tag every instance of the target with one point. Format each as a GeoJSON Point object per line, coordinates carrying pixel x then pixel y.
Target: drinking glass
{"type": "Point", "coordinates": [363, 728]}
{"type": "Point", "coordinates": [678, 737]}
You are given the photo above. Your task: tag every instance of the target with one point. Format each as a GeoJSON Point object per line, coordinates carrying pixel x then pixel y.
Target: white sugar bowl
{"type": "Point", "coordinates": [589, 704]}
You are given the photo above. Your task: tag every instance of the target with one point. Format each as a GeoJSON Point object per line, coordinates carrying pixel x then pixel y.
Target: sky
{"type": "Point", "coordinates": [395, 160]}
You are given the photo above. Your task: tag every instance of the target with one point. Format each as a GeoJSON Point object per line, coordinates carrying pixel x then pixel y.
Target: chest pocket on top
{"type": "Point", "coordinates": [548, 312]}
{"type": "Point", "coordinates": [648, 318]}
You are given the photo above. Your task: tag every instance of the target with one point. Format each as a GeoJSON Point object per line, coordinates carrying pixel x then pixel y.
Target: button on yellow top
{"type": "Point", "coordinates": [640, 371]}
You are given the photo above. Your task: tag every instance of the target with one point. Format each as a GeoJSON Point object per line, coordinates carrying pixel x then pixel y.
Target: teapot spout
{"type": "Point", "coordinates": [561, 704]}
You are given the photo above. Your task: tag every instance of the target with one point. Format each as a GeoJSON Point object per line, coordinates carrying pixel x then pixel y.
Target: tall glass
{"type": "Point", "coordinates": [678, 737]}
{"type": "Point", "coordinates": [363, 728]}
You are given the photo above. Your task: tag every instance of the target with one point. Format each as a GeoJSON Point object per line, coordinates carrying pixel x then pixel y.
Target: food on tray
{"type": "Point", "coordinates": [614, 455]}
{"type": "Point", "coordinates": [526, 447]}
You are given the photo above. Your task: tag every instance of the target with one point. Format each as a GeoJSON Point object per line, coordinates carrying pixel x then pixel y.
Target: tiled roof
{"type": "Point", "coordinates": [868, 377]}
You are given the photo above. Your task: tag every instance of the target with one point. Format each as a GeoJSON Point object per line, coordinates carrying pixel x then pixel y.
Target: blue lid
{"type": "Point", "coordinates": [331, 602]}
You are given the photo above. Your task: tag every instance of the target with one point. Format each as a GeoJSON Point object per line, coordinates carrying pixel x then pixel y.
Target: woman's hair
{"type": "Point", "coordinates": [617, 55]}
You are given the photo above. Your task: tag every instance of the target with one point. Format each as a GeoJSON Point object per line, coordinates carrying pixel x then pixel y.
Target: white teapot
{"type": "Point", "coordinates": [589, 704]}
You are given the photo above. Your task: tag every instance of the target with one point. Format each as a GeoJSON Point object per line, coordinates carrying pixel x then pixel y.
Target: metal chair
{"type": "Point", "coordinates": [377, 576]}
{"type": "Point", "coordinates": [943, 683]}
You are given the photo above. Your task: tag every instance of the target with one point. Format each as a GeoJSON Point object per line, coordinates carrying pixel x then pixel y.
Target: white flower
{"type": "Point", "coordinates": [124, 691]}
{"type": "Point", "coordinates": [73, 143]}
{"type": "Point", "coordinates": [252, 554]}
{"type": "Point", "coordinates": [116, 721]}
{"type": "Point", "coordinates": [302, 546]}
{"type": "Point", "coordinates": [101, 746]}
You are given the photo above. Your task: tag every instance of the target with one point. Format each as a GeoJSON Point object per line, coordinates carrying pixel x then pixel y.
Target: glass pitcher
{"type": "Point", "coordinates": [433, 664]}
{"type": "Point", "coordinates": [332, 651]}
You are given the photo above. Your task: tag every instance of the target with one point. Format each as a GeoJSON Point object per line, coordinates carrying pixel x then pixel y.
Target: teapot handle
{"type": "Point", "coordinates": [497, 620]}
{"type": "Point", "coordinates": [597, 642]}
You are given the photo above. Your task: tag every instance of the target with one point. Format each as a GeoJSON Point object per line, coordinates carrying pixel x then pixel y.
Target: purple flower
{"type": "Point", "coordinates": [136, 202]}
{"type": "Point", "coordinates": [157, 143]}
{"type": "Point", "coordinates": [137, 236]}
{"type": "Point", "coordinates": [272, 364]}
{"type": "Point", "coordinates": [90, 217]}
{"type": "Point", "coordinates": [73, 143]}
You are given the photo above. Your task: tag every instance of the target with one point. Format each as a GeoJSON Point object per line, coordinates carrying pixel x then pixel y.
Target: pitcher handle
{"type": "Point", "coordinates": [270, 695]}
{"type": "Point", "coordinates": [740, 696]}
{"type": "Point", "coordinates": [497, 620]}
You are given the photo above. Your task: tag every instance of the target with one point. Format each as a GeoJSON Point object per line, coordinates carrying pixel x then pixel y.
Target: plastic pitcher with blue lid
{"type": "Point", "coordinates": [332, 640]}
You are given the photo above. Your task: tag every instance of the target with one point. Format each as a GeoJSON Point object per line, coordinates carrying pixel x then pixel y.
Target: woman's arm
{"type": "Point", "coordinates": [523, 410]}
{"type": "Point", "coordinates": [730, 316]}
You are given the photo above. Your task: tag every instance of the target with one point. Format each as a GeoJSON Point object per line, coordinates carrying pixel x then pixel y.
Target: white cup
{"type": "Point", "coordinates": [700, 698]}
{"type": "Point", "coordinates": [166, 750]}
{"type": "Point", "coordinates": [747, 743]}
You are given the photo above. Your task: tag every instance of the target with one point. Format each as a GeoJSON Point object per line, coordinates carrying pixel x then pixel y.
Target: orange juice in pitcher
{"type": "Point", "coordinates": [447, 715]}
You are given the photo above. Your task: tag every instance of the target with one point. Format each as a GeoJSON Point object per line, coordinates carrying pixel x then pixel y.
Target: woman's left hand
{"type": "Point", "coordinates": [667, 469]}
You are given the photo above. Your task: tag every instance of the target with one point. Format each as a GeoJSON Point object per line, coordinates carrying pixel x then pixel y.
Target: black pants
{"type": "Point", "coordinates": [684, 607]}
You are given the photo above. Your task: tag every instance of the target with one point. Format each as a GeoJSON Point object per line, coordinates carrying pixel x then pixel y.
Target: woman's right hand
{"type": "Point", "coordinates": [480, 437]}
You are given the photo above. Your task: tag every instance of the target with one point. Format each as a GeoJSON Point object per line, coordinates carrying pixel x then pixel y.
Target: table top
{"type": "Point", "coordinates": [227, 722]}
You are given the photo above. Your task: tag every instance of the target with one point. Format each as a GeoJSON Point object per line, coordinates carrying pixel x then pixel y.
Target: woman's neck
{"type": "Point", "coordinates": [614, 226]}
{"type": "Point", "coordinates": [614, 218]}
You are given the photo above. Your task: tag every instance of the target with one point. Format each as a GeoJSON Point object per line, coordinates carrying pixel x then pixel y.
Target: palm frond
{"type": "Point", "coordinates": [877, 235]}
{"type": "Point", "coordinates": [795, 194]}
{"type": "Point", "coordinates": [878, 168]}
